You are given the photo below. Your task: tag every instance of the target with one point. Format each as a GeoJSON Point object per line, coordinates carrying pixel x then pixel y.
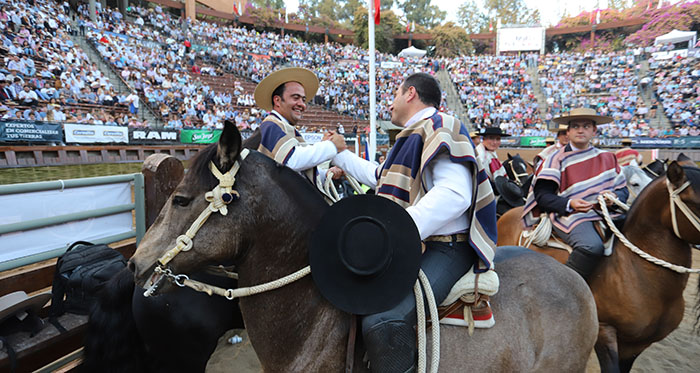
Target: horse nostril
{"type": "Point", "coordinates": [131, 265]}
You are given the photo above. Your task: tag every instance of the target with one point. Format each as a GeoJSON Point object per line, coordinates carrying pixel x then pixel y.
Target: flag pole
{"type": "Point", "coordinates": [372, 86]}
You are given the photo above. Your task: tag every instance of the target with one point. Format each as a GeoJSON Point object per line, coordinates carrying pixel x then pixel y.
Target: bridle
{"type": "Point", "coordinates": [517, 175]}
{"type": "Point", "coordinates": [218, 199]}
{"type": "Point", "coordinates": [675, 200]}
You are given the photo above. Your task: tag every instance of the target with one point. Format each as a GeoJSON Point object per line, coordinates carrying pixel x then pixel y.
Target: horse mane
{"type": "Point", "coordinates": [111, 316]}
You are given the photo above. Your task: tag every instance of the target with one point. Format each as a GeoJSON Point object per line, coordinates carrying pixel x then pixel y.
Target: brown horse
{"type": "Point", "coordinates": [638, 302]}
{"type": "Point", "coordinates": [545, 313]}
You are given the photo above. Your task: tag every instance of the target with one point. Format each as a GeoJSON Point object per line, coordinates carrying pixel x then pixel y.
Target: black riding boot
{"type": "Point", "coordinates": [583, 262]}
{"type": "Point", "coordinates": [391, 347]}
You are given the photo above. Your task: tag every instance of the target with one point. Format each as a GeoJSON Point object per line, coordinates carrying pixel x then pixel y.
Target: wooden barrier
{"type": "Point", "coordinates": [27, 156]}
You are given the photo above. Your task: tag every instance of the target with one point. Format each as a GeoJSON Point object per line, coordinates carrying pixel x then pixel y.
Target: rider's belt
{"type": "Point", "coordinates": [457, 237]}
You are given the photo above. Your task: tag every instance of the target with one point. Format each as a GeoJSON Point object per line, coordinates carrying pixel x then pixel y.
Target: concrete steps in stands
{"type": "Point", "coordinates": [452, 99]}
{"type": "Point", "coordinates": [661, 120]}
{"type": "Point", "coordinates": [119, 86]}
{"type": "Point", "coordinates": [533, 72]}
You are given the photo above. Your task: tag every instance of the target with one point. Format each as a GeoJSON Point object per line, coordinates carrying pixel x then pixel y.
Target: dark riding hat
{"type": "Point", "coordinates": [492, 131]}
{"type": "Point", "coordinates": [365, 254]}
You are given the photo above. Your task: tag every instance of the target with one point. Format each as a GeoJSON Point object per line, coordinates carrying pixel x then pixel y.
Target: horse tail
{"type": "Point", "coordinates": [112, 342]}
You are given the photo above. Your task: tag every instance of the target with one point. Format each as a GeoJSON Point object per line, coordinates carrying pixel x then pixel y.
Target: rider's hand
{"type": "Point", "coordinates": [337, 172]}
{"type": "Point", "coordinates": [339, 142]}
{"type": "Point", "coordinates": [580, 205]}
{"type": "Point", "coordinates": [327, 135]}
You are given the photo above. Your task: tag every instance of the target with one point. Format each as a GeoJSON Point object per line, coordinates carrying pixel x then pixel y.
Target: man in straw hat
{"type": "Point", "coordinates": [284, 94]}
{"type": "Point", "coordinates": [486, 150]}
{"type": "Point", "coordinates": [432, 172]}
{"type": "Point", "coordinates": [476, 138]}
{"type": "Point", "coordinates": [567, 185]}
{"type": "Point", "coordinates": [561, 141]}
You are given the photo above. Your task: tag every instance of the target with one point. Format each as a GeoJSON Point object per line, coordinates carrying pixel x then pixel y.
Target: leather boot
{"type": "Point", "coordinates": [583, 262]}
{"type": "Point", "coordinates": [391, 347]}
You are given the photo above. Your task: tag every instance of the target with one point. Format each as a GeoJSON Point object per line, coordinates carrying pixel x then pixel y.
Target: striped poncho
{"type": "Point", "coordinates": [401, 176]}
{"type": "Point", "coordinates": [278, 141]}
{"type": "Point", "coordinates": [579, 174]}
{"type": "Point", "coordinates": [492, 165]}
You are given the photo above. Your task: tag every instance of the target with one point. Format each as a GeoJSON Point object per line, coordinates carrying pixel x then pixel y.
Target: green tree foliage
{"type": "Point", "coordinates": [618, 4]}
{"type": "Point", "coordinates": [274, 4]}
{"type": "Point", "coordinates": [451, 41]}
{"type": "Point", "coordinates": [472, 18]}
{"type": "Point", "coordinates": [511, 12]}
{"type": "Point", "coordinates": [421, 12]}
{"type": "Point", "coordinates": [383, 32]}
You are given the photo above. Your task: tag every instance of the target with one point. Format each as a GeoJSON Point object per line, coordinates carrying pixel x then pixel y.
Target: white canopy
{"type": "Point", "coordinates": [677, 36]}
{"type": "Point", "coordinates": [412, 52]}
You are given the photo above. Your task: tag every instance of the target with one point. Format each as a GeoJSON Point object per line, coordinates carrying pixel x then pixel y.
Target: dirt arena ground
{"type": "Point", "coordinates": [678, 352]}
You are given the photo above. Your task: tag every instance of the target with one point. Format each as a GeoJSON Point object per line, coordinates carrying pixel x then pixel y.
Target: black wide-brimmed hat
{"type": "Point", "coordinates": [365, 254]}
{"type": "Point", "coordinates": [509, 191]}
{"type": "Point", "coordinates": [493, 131]}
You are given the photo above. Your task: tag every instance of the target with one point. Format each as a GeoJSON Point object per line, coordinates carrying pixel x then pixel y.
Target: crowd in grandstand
{"type": "Point", "coordinates": [195, 74]}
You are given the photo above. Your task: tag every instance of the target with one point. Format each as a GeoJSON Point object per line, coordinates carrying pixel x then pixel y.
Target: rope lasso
{"type": "Point", "coordinates": [635, 249]}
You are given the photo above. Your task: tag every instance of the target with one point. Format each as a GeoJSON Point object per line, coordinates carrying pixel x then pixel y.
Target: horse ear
{"type": "Point", "coordinates": [683, 158]}
{"type": "Point", "coordinates": [229, 146]}
{"type": "Point", "coordinates": [509, 157]}
{"type": "Point", "coordinates": [675, 174]}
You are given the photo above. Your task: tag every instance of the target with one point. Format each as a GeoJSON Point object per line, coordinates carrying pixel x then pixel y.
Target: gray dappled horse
{"type": "Point", "coordinates": [545, 314]}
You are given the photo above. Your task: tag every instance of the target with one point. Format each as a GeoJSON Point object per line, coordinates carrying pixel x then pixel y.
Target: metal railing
{"type": "Point", "coordinates": [138, 206]}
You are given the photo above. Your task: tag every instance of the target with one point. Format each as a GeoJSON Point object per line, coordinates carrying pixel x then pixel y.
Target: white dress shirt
{"type": "Point", "coordinates": [442, 210]}
{"type": "Point", "coordinates": [307, 156]}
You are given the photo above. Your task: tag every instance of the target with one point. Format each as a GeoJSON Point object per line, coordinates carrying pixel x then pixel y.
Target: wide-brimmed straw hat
{"type": "Point", "coordinates": [14, 303]}
{"type": "Point", "coordinates": [305, 77]}
{"type": "Point", "coordinates": [550, 140]}
{"type": "Point", "coordinates": [582, 113]}
{"type": "Point", "coordinates": [365, 254]}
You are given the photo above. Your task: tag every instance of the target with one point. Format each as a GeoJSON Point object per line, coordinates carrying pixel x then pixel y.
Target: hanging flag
{"type": "Point", "coordinates": [240, 10]}
{"type": "Point", "coordinates": [377, 3]}
{"type": "Point", "coordinates": [413, 28]}
{"type": "Point", "coordinates": [365, 142]}
{"type": "Point", "coordinates": [235, 9]}
{"type": "Point", "coordinates": [408, 26]}
{"type": "Point", "coordinates": [659, 6]}
{"type": "Point", "coordinates": [597, 17]}
{"type": "Point", "coordinates": [490, 26]}
{"type": "Point", "coordinates": [286, 16]}
{"type": "Point", "coordinates": [593, 16]}
{"type": "Point", "coordinates": [649, 5]}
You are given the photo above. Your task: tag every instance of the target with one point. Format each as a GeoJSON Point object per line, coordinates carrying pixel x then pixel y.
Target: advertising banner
{"type": "Point", "coordinates": [199, 136]}
{"type": "Point", "coordinates": [532, 141]}
{"type": "Point", "coordinates": [89, 133]}
{"type": "Point", "coordinates": [520, 39]}
{"type": "Point", "coordinates": [30, 131]}
{"type": "Point", "coordinates": [152, 136]}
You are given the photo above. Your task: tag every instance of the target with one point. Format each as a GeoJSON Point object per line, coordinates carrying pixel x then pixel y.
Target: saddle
{"type": "Point", "coordinates": [544, 236]}
{"type": "Point", "coordinates": [468, 303]}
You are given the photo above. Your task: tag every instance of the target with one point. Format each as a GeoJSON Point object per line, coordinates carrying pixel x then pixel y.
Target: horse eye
{"type": "Point", "coordinates": [181, 201]}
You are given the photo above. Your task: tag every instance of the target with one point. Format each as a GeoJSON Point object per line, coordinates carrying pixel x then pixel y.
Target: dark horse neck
{"type": "Point", "coordinates": [648, 226]}
{"type": "Point", "coordinates": [294, 320]}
